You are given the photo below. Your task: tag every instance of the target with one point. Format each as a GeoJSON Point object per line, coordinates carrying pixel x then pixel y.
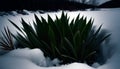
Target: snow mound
{"type": "Point", "coordinates": [72, 66]}
{"type": "Point", "coordinates": [34, 59]}
{"type": "Point", "coordinates": [16, 63]}
{"type": "Point", "coordinates": [78, 66]}
{"type": "Point", "coordinates": [54, 62]}
{"type": "Point", "coordinates": [95, 65]}
{"type": "Point", "coordinates": [34, 55]}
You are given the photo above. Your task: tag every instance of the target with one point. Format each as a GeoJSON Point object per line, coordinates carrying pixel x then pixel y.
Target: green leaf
{"type": "Point", "coordinates": [52, 39]}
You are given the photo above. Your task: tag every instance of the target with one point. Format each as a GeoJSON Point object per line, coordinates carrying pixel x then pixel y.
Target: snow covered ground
{"type": "Point", "coordinates": [33, 59]}
{"type": "Point", "coordinates": [29, 59]}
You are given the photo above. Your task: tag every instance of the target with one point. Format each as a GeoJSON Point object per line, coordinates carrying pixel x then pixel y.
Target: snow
{"type": "Point", "coordinates": [32, 59]}
{"type": "Point", "coordinates": [3, 51]}
{"type": "Point", "coordinates": [112, 63]}
{"type": "Point", "coordinates": [54, 62]}
{"type": "Point", "coordinates": [34, 55]}
{"type": "Point", "coordinates": [96, 65]}
{"type": "Point", "coordinates": [78, 66]}
{"type": "Point", "coordinates": [16, 63]}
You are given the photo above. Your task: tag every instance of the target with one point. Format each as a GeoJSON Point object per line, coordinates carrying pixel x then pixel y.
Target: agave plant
{"type": "Point", "coordinates": [75, 41]}
{"type": "Point", "coordinates": [6, 41]}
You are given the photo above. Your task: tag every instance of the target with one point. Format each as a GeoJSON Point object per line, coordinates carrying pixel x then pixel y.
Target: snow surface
{"type": "Point", "coordinates": [32, 59]}
{"type": "Point", "coordinates": [112, 63]}
{"type": "Point", "coordinates": [34, 55]}
{"type": "Point", "coordinates": [110, 19]}
{"type": "Point", "coordinates": [54, 62]}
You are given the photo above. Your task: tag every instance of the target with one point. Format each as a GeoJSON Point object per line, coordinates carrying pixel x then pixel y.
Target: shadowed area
{"type": "Point", "coordinates": [47, 5]}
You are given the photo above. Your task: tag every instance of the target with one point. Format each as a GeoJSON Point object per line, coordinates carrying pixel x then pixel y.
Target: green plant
{"type": "Point", "coordinates": [76, 41]}
{"type": "Point", "coordinates": [6, 40]}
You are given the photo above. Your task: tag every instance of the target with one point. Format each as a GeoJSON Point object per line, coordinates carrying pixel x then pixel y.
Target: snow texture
{"type": "Point", "coordinates": [34, 55]}
{"type": "Point", "coordinates": [96, 65]}
{"type": "Point", "coordinates": [54, 62]}
{"type": "Point", "coordinates": [112, 63]}
{"type": "Point", "coordinates": [32, 59]}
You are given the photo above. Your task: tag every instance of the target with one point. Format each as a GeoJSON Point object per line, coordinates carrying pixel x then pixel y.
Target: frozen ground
{"type": "Point", "coordinates": [110, 18]}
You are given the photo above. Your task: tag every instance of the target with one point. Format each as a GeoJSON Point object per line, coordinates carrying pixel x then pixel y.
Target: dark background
{"type": "Point", "coordinates": [52, 5]}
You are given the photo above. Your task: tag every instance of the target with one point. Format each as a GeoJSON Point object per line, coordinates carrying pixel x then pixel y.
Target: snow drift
{"type": "Point", "coordinates": [34, 55]}
{"type": "Point", "coordinates": [33, 59]}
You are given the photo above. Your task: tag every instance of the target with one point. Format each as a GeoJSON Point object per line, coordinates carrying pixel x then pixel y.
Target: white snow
{"type": "Point", "coordinates": [96, 65]}
{"type": "Point", "coordinates": [32, 59]}
{"type": "Point", "coordinates": [54, 62]}
{"type": "Point", "coordinates": [16, 63]}
{"type": "Point", "coordinates": [34, 55]}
